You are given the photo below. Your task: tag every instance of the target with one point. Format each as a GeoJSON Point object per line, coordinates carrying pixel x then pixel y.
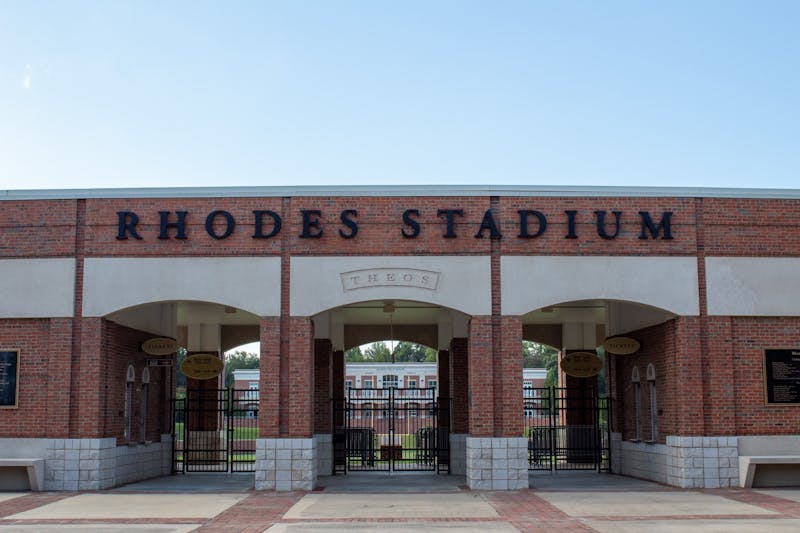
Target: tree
{"type": "Point", "coordinates": [354, 355]}
{"type": "Point", "coordinates": [239, 360]}
{"type": "Point", "coordinates": [537, 355]}
{"type": "Point", "coordinates": [377, 352]}
{"type": "Point", "coordinates": [411, 352]}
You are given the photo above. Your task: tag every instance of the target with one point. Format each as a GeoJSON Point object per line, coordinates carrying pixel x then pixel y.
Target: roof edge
{"type": "Point", "coordinates": [398, 190]}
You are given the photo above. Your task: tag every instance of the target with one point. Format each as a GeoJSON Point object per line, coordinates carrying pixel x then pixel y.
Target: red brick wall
{"type": "Point", "coordinates": [120, 350]}
{"type": "Point", "coordinates": [658, 348]}
{"type": "Point", "coordinates": [750, 337]}
{"type": "Point", "coordinates": [711, 366]}
{"type": "Point", "coordinates": [44, 385]}
{"type": "Point", "coordinates": [41, 228]}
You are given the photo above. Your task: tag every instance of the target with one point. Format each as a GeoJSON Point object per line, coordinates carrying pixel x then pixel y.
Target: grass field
{"type": "Point", "coordinates": [239, 433]}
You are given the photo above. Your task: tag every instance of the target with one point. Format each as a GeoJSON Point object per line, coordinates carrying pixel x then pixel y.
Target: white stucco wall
{"type": "Point", "coordinates": [462, 283]}
{"type": "Point", "coordinates": [753, 286]}
{"type": "Point", "coordinates": [249, 283]}
{"type": "Point", "coordinates": [529, 283]}
{"type": "Point", "coordinates": [37, 288]}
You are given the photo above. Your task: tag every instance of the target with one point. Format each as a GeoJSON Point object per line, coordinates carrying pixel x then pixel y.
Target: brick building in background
{"type": "Point", "coordinates": [706, 280]}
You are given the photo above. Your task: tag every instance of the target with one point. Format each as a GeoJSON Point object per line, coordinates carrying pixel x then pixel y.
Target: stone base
{"type": "Point", "coordinates": [94, 464]}
{"type": "Point", "coordinates": [498, 463]}
{"type": "Point", "coordinates": [286, 464]}
{"type": "Point", "coordinates": [703, 462]}
{"type": "Point", "coordinates": [686, 462]}
{"type": "Point", "coordinates": [324, 454]}
{"type": "Point", "coordinates": [458, 454]}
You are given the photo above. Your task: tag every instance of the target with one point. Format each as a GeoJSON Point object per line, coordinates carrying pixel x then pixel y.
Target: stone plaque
{"type": "Point", "coordinates": [9, 379]}
{"type": "Point", "coordinates": [782, 376]}
{"type": "Point", "coordinates": [390, 277]}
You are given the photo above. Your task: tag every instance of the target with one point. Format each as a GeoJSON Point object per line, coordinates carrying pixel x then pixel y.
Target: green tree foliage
{"type": "Point", "coordinates": [354, 355]}
{"type": "Point", "coordinates": [537, 355]}
{"type": "Point", "coordinates": [379, 352]}
{"type": "Point", "coordinates": [238, 360]}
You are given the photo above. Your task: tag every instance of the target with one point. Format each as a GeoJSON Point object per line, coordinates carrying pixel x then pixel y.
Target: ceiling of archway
{"type": "Point", "coordinates": [405, 313]}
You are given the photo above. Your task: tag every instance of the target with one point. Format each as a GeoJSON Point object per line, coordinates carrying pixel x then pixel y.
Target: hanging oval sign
{"type": "Point", "coordinates": [202, 366]}
{"type": "Point", "coordinates": [581, 364]}
{"type": "Point", "coordinates": [621, 345]}
{"type": "Point", "coordinates": [160, 346]}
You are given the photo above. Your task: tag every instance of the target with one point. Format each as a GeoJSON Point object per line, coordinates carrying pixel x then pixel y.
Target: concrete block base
{"type": "Point", "coordinates": [497, 463]}
{"type": "Point", "coordinates": [286, 464]}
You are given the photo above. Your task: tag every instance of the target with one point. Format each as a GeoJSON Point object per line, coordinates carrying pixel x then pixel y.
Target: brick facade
{"type": "Point", "coordinates": [709, 369]}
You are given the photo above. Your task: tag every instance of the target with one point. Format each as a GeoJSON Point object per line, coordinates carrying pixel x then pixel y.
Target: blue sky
{"type": "Point", "coordinates": [172, 93]}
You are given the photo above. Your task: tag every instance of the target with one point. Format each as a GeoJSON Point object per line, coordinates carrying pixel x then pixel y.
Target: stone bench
{"type": "Point", "coordinates": [749, 463]}
{"type": "Point", "coordinates": [34, 468]}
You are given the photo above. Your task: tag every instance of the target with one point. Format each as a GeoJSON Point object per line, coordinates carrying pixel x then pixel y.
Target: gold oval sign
{"type": "Point", "coordinates": [581, 364]}
{"type": "Point", "coordinates": [202, 366]}
{"type": "Point", "coordinates": [160, 346]}
{"type": "Point", "coordinates": [621, 345]}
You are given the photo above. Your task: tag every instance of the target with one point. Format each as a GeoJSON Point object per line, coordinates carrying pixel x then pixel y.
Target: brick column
{"type": "Point", "coordinates": [88, 392]}
{"type": "Point", "coordinates": [443, 375]}
{"type": "Point", "coordinates": [689, 381]}
{"type": "Point", "coordinates": [337, 384]}
{"type": "Point", "coordinates": [481, 377]}
{"type": "Point", "coordinates": [459, 385]}
{"type": "Point", "coordinates": [322, 386]}
{"type": "Point", "coordinates": [509, 416]}
{"type": "Point", "coordinates": [300, 378]}
{"type": "Point", "coordinates": [269, 402]}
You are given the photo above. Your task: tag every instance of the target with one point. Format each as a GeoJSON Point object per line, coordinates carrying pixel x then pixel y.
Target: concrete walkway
{"type": "Point", "coordinates": [583, 502]}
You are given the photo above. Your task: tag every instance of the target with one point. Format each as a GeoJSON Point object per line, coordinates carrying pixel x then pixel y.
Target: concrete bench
{"type": "Point", "coordinates": [749, 463]}
{"type": "Point", "coordinates": [34, 467]}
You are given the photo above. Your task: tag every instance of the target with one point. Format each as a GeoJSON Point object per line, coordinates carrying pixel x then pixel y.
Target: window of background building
{"type": "Point", "coordinates": [389, 381]}
{"type": "Point", "coordinates": [366, 383]}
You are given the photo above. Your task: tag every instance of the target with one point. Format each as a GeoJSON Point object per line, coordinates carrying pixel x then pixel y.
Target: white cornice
{"type": "Point", "coordinates": [399, 190]}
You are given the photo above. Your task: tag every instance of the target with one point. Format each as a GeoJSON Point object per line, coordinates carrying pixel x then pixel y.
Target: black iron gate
{"type": "Point", "coordinates": [215, 430]}
{"type": "Point", "coordinates": [391, 430]}
{"type": "Point", "coordinates": [567, 429]}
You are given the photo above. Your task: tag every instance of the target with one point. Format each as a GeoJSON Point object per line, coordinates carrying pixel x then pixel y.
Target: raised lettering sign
{"type": "Point", "coordinates": [389, 277]}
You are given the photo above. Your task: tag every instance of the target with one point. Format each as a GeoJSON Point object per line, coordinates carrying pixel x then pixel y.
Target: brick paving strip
{"type": "Point", "coordinates": [254, 514]}
{"type": "Point", "coordinates": [787, 508]}
{"type": "Point", "coordinates": [531, 514]}
{"type": "Point", "coordinates": [30, 501]}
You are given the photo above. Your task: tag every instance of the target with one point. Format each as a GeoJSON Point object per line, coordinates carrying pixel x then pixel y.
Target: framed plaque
{"type": "Point", "coordinates": [9, 379]}
{"type": "Point", "coordinates": [782, 376]}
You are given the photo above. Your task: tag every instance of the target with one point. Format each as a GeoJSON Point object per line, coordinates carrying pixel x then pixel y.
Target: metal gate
{"type": "Point", "coordinates": [567, 429]}
{"type": "Point", "coordinates": [215, 430]}
{"type": "Point", "coordinates": [391, 430]}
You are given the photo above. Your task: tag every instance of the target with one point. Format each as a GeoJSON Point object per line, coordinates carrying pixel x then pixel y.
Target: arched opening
{"type": "Point", "coordinates": [570, 419]}
{"type": "Point", "coordinates": [389, 392]}
{"type": "Point", "coordinates": [183, 402]}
